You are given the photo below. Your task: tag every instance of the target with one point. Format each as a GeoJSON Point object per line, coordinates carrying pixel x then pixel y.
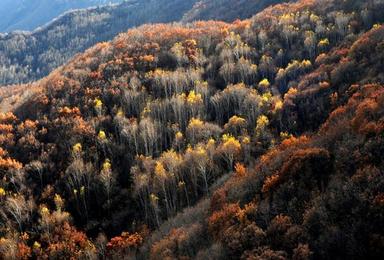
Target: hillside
{"type": "Point", "coordinates": [29, 14]}
{"type": "Point", "coordinates": [27, 56]}
{"type": "Point", "coordinates": [226, 10]}
{"type": "Point", "coordinates": [257, 139]}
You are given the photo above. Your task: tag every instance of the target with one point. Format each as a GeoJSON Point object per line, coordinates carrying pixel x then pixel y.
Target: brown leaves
{"type": "Point", "coordinates": [219, 221]}
{"type": "Point", "coordinates": [301, 161]}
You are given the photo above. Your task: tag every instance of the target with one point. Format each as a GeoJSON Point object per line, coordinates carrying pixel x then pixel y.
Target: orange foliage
{"type": "Point", "coordinates": [23, 251]}
{"type": "Point", "coordinates": [368, 115]}
{"type": "Point", "coordinates": [7, 118]}
{"type": "Point", "coordinates": [294, 142]}
{"type": "Point", "coordinates": [27, 125]}
{"type": "Point", "coordinates": [67, 243]}
{"type": "Point", "coordinates": [240, 170]}
{"type": "Point", "coordinates": [221, 220]}
{"type": "Point", "coordinates": [7, 139]}
{"type": "Point", "coordinates": [3, 152]}
{"type": "Point", "coordinates": [147, 58]}
{"type": "Point", "coordinates": [124, 244]}
{"type": "Point", "coordinates": [379, 199]}
{"type": "Point", "coordinates": [316, 156]}
{"type": "Point", "coordinates": [69, 112]}
{"type": "Point", "coordinates": [6, 128]}
{"type": "Point", "coordinates": [270, 182]}
{"type": "Point", "coordinates": [9, 163]}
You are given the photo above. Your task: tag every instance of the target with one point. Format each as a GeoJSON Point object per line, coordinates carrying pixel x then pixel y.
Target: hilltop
{"type": "Point", "coordinates": [28, 56]}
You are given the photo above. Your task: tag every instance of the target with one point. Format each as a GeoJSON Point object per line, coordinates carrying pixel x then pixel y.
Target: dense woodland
{"type": "Point", "coordinates": [226, 10]}
{"type": "Point", "coordinates": [28, 56]}
{"type": "Point", "coordinates": [257, 139]}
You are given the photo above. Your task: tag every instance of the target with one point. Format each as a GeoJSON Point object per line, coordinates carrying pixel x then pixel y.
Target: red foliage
{"type": "Point", "coordinates": [67, 243]}
{"type": "Point", "coordinates": [126, 244]}
{"type": "Point", "coordinates": [296, 164]}
{"type": "Point", "coordinates": [23, 251]}
{"type": "Point", "coordinates": [219, 221]}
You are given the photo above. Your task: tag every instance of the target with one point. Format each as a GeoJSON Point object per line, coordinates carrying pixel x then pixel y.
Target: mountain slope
{"type": "Point", "coordinates": [259, 139]}
{"type": "Point", "coordinates": [41, 51]}
{"type": "Point", "coordinates": [29, 14]}
{"type": "Point", "coordinates": [226, 10]}
{"type": "Point", "coordinates": [25, 57]}
{"type": "Point", "coordinates": [308, 197]}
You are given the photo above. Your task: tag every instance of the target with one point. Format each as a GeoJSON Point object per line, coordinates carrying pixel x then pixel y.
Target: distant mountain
{"type": "Point", "coordinates": [27, 56]}
{"type": "Point", "coordinates": [29, 14]}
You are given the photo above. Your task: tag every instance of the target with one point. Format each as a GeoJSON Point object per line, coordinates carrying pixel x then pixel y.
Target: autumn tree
{"type": "Point", "coordinates": [230, 148]}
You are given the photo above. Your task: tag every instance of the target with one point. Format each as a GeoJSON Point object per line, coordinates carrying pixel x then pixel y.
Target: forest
{"type": "Point", "coordinates": [29, 56]}
{"type": "Point", "coordinates": [261, 138]}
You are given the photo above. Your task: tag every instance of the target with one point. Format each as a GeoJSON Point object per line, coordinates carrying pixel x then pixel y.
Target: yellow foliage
{"type": "Point", "coordinates": [200, 151]}
{"type": "Point", "coordinates": [58, 201]}
{"type": "Point", "coordinates": [98, 103]}
{"type": "Point", "coordinates": [102, 135]}
{"type": "Point", "coordinates": [287, 18]}
{"type": "Point", "coordinates": [82, 190]}
{"type": "Point", "coordinates": [278, 105]}
{"type": "Point", "coordinates": [2, 192]}
{"type": "Point", "coordinates": [179, 135]}
{"type": "Point", "coordinates": [246, 140]}
{"type": "Point", "coordinates": [211, 142]}
{"type": "Point", "coordinates": [262, 122]}
{"type": "Point", "coordinates": [154, 199]}
{"type": "Point", "coordinates": [107, 165]}
{"type": "Point", "coordinates": [231, 143]}
{"type": "Point", "coordinates": [306, 63]}
{"type": "Point", "coordinates": [291, 92]}
{"type": "Point", "coordinates": [36, 245]}
{"type": "Point", "coordinates": [44, 210]}
{"type": "Point", "coordinates": [196, 123]}
{"type": "Point", "coordinates": [264, 83]}
{"type": "Point", "coordinates": [323, 42]}
{"type": "Point", "coordinates": [181, 184]}
{"type": "Point", "coordinates": [120, 112]}
{"type": "Point", "coordinates": [266, 97]}
{"type": "Point", "coordinates": [77, 148]}
{"type": "Point", "coordinates": [225, 137]}
{"type": "Point", "coordinates": [314, 18]}
{"type": "Point", "coordinates": [194, 98]}
{"type": "Point", "coordinates": [192, 42]}
{"type": "Point", "coordinates": [285, 135]}
{"type": "Point", "coordinates": [235, 120]}
{"type": "Point", "coordinates": [160, 170]}
{"type": "Point", "coordinates": [292, 65]}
